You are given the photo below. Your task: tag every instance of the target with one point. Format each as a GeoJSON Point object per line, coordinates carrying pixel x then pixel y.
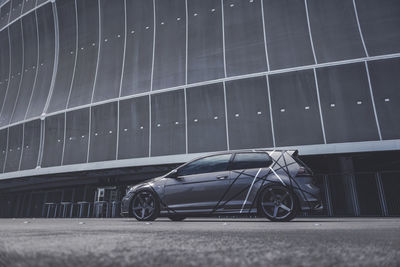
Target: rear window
{"type": "Point", "coordinates": [251, 161]}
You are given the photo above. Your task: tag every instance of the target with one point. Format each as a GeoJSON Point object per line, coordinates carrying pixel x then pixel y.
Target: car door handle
{"type": "Point", "coordinates": [222, 177]}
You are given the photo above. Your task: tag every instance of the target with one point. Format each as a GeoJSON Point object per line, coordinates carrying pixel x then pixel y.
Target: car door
{"type": "Point", "coordinates": [248, 171]}
{"type": "Point", "coordinates": [199, 185]}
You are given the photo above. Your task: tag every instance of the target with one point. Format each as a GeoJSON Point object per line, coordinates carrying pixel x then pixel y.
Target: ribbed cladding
{"type": "Point", "coordinates": [67, 54]}
{"type": "Point", "coordinates": [111, 50]}
{"type": "Point", "coordinates": [40, 93]}
{"type": "Point", "coordinates": [16, 54]}
{"type": "Point", "coordinates": [4, 65]}
{"type": "Point", "coordinates": [88, 38]}
{"type": "Point", "coordinates": [30, 47]}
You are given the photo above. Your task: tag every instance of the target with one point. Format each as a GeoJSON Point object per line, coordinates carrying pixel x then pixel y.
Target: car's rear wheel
{"type": "Point", "coordinates": [176, 218]}
{"type": "Point", "coordinates": [277, 203]}
{"type": "Point", "coordinates": [145, 206]}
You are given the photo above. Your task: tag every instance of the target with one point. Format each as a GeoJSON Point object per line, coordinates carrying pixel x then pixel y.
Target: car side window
{"type": "Point", "coordinates": [250, 161]}
{"type": "Point", "coordinates": [205, 165]}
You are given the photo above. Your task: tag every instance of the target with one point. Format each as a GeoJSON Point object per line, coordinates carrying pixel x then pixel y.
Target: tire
{"type": "Point", "coordinates": [176, 218]}
{"type": "Point", "coordinates": [145, 206]}
{"type": "Point", "coordinates": [277, 203]}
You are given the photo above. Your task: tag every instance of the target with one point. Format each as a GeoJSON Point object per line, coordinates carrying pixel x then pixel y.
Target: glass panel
{"type": "Point", "coordinates": [170, 47]}
{"type": "Point", "coordinates": [46, 60]}
{"type": "Point", "coordinates": [244, 37]}
{"type": "Point", "coordinates": [139, 47]}
{"type": "Point", "coordinates": [30, 66]}
{"type": "Point", "coordinates": [385, 81]}
{"type": "Point", "coordinates": [209, 164]}
{"type": "Point", "coordinates": [88, 37]}
{"type": "Point", "coordinates": [367, 192]}
{"type": "Point", "coordinates": [248, 109]}
{"type": "Point", "coordinates": [206, 118]}
{"type": "Point", "coordinates": [205, 45]}
{"type": "Point", "coordinates": [346, 104]}
{"type": "Point", "coordinates": [111, 50]}
{"type": "Point", "coordinates": [103, 135]}
{"type": "Point", "coordinates": [30, 150]}
{"type": "Point", "coordinates": [334, 30]}
{"type": "Point", "coordinates": [168, 123]}
{"type": "Point", "coordinates": [341, 195]}
{"type": "Point", "coordinates": [16, 68]}
{"type": "Point", "coordinates": [133, 128]}
{"type": "Point", "coordinates": [391, 188]}
{"type": "Point", "coordinates": [14, 148]}
{"type": "Point", "coordinates": [4, 65]}
{"type": "Point", "coordinates": [295, 109]}
{"type": "Point", "coordinates": [67, 53]}
{"type": "Point", "coordinates": [76, 137]}
{"type": "Point", "coordinates": [288, 39]}
{"type": "Point", "coordinates": [3, 148]}
{"type": "Point", "coordinates": [380, 24]}
{"type": "Point", "coordinates": [53, 140]}
{"type": "Point", "coordinates": [250, 161]}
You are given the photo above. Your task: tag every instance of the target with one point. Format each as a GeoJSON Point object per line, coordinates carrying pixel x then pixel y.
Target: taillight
{"type": "Point", "coordinates": [303, 172]}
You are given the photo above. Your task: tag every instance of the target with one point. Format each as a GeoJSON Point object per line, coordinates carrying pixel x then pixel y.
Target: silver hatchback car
{"type": "Point", "coordinates": [274, 184]}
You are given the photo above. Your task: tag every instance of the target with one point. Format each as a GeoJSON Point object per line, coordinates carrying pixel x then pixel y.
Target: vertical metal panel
{"type": "Point", "coordinates": [206, 118]}
{"type": "Point", "coordinates": [295, 109]}
{"type": "Point", "coordinates": [29, 70]}
{"type": "Point", "coordinates": [244, 37]}
{"type": "Point", "coordinates": [139, 47]}
{"type": "Point", "coordinates": [205, 47]}
{"type": "Point", "coordinates": [44, 77]}
{"type": "Point", "coordinates": [346, 104]}
{"type": "Point", "coordinates": [88, 37]}
{"type": "Point", "coordinates": [5, 14]}
{"type": "Point", "coordinates": [67, 54]}
{"type": "Point", "coordinates": [334, 30]}
{"type": "Point", "coordinates": [53, 140]}
{"type": "Point", "coordinates": [16, 9]}
{"type": "Point", "coordinates": [170, 44]}
{"type": "Point", "coordinates": [111, 50]}
{"type": "Point", "coordinates": [249, 124]}
{"type": "Point", "coordinates": [4, 65]}
{"type": "Point", "coordinates": [103, 134]}
{"type": "Point", "coordinates": [367, 193]}
{"type": "Point", "coordinates": [133, 128]}
{"type": "Point", "coordinates": [28, 5]}
{"type": "Point", "coordinates": [385, 83]}
{"type": "Point", "coordinates": [167, 137]}
{"type": "Point", "coordinates": [287, 34]}
{"type": "Point", "coordinates": [76, 136]}
{"type": "Point", "coordinates": [16, 69]}
{"type": "Point", "coordinates": [30, 148]}
{"type": "Point", "coordinates": [380, 24]}
{"type": "Point", "coordinates": [3, 148]}
{"type": "Point", "coordinates": [14, 148]}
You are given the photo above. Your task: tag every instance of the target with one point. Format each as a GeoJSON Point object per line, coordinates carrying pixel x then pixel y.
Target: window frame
{"type": "Point", "coordinates": [257, 152]}
{"type": "Point", "coordinates": [190, 162]}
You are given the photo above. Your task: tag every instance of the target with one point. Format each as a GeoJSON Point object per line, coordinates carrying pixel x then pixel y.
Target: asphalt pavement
{"type": "Point", "coordinates": [200, 242]}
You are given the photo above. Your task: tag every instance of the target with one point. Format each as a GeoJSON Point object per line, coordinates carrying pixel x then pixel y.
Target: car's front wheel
{"type": "Point", "coordinates": [277, 203]}
{"type": "Point", "coordinates": [145, 206]}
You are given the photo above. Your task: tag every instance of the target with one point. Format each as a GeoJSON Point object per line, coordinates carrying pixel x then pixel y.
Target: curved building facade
{"type": "Point", "coordinates": [100, 84]}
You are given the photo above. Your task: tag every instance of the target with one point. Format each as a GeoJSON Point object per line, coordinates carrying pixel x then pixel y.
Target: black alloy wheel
{"type": "Point", "coordinates": [145, 206]}
{"type": "Point", "coordinates": [277, 203]}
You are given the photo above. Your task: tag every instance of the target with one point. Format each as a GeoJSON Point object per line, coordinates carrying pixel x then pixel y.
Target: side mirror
{"type": "Point", "coordinates": [173, 174]}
